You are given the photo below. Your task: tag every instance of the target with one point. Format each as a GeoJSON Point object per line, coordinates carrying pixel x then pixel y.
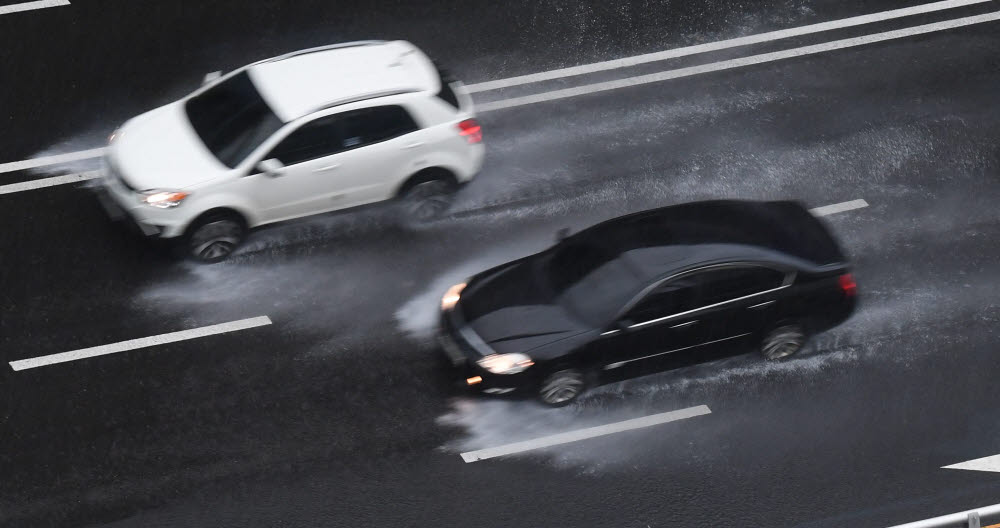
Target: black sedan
{"type": "Point", "coordinates": [646, 292]}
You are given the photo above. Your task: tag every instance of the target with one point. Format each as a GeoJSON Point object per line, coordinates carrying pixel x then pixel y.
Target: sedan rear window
{"type": "Point", "coordinates": [232, 119]}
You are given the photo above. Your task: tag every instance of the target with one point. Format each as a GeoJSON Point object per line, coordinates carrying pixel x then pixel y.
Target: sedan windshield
{"type": "Point", "coordinates": [590, 282]}
{"type": "Point", "coordinates": [232, 119]}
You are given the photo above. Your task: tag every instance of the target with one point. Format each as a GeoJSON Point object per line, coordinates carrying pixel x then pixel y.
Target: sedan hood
{"type": "Point", "coordinates": [509, 311]}
{"type": "Point", "coordinates": [160, 150]}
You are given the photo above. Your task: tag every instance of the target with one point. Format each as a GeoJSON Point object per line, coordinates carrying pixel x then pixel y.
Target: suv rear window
{"type": "Point", "coordinates": [447, 94]}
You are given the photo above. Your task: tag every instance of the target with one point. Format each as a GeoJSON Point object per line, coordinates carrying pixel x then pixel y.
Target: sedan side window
{"type": "Point", "coordinates": [316, 139]}
{"type": "Point", "coordinates": [726, 284]}
{"type": "Point", "coordinates": [372, 125]}
{"type": "Point", "coordinates": [673, 297]}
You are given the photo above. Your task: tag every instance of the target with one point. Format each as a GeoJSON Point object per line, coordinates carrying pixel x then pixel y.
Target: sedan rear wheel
{"type": "Point", "coordinates": [782, 342]}
{"type": "Point", "coordinates": [215, 238]}
{"type": "Point", "coordinates": [562, 387]}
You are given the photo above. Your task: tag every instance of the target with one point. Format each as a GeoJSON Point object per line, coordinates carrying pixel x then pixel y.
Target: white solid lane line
{"type": "Point", "coordinates": [51, 160]}
{"type": "Point", "coordinates": [143, 342]}
{"type": "Point", "coordinates": [49, 182]}
{"type": "Point", "coordinates": [735, 63]}
{"type": "Point", "coordinates": [827, 210]}
{"type": "Point", "coordinates": [954, 519]}
{"type": "Point", "coordinates": [583, 434]}
{"type": "Point", "coordinates": [626, 62]}
{"type": "Point", "coordinates": [29, 6]}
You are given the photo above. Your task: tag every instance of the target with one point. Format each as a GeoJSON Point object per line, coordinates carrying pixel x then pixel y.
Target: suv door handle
{"type": "Point", "coordinates": [685, 325]}
{"type": "Point", "coordinates": [413, 145]}
{"type": "Point", "coordinates": [328, 167]}
{"type": "Point", "coordinates": [764, 304]}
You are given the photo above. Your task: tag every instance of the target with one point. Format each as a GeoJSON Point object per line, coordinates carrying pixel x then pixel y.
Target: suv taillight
{"type": "Point", "coordinates": [847, 285]}
{"type": "Point", "coordinates": [471, 131]}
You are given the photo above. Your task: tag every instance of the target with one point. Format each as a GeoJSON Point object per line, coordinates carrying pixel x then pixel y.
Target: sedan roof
{"type": "Point", "coordinates": [672, 238]}
{"type": "Point", "coordinates": [300, 83]}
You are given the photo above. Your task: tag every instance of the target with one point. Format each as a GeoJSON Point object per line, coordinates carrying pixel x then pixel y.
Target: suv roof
{"type": "Point", "coordinates": [300, 83]}
{"type": "Point", "coordinates": [674, 237]}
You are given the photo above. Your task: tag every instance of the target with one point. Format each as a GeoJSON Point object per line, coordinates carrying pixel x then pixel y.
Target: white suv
{"type": "Point", "coordinates": [312, 131]}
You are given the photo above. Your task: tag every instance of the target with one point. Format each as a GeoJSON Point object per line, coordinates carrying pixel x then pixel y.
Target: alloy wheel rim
{"type": "Point", "coordinates": [429, 199]}
{"type": "Point", "coordinates": [562, 388]}
{"type": "Point", "coordinates": [216, 240]}
{"type": "Point", "coordinates": [783, 343]}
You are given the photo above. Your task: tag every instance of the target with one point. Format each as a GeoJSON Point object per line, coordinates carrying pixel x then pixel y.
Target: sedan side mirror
{"type": "Point", "coordinates": [271, 167]}
{"type": "Point", "coordinates": [623, 325]}
{"type": "Point", "coordinates": [211, 77]}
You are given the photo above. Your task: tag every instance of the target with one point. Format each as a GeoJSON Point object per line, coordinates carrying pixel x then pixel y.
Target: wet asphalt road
{"type": "Point", "coordinates": [339, 413]}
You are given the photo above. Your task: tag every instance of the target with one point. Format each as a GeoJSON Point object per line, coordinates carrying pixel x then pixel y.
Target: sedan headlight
{"type": "Point", "coordinates": [452, 296]}
{"type": "Point", "coordinates": [505, 363]}
{"type": "Point", "coordinates": [164, 199]}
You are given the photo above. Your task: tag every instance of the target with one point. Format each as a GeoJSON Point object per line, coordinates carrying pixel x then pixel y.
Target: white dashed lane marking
{"type": "Point", "coordinates": [827, 210]}
{"type": "Point", "coordinates": [143, 342]}
{"type": "Point", "coordinates": [636, 60]}
{"type": "Point", "coordinates": [583, 434]}
{"type": "Point", "coordinates": [31, 6]}
{"type": "Point", "coordinates": [49, 182]}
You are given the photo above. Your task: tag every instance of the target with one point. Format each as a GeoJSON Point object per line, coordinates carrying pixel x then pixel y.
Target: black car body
{"type": "Point", "coordinates": [649, 291]}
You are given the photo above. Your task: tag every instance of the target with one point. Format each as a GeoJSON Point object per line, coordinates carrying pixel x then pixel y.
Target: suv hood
{"type": "Point", "coordinates": [160, 150]}
{"type": "Point", "coordinates": [508, 310]}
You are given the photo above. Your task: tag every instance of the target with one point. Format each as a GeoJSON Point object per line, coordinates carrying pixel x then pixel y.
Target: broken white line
{"type": "Point", "coordinates": [43, 161]}
{"type": "Point", "coordinates": [30, 6]}
{"type": "Point", "coordinates": [583, 434]}
{"type": "Point", "coordinates": [144, 342]}
{"type": "Point", "coordinates": [635, 60]}
{"type": "Point", "coordinates": [827, 210]}
{"type": "Point", "coordinates": [734, 63]}
{"type": "Point", "coordinates": [49, 182]}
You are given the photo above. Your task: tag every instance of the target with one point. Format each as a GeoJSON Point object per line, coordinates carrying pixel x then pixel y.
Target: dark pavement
{"type": "Point", "coordinates": [339, 413]}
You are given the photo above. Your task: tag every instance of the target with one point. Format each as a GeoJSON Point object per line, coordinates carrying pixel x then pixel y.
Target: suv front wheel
{"type": "Point", "coordinates": [214, 237]}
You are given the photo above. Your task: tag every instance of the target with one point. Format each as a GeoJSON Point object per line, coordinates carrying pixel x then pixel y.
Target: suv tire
{"type": "Point", "coordinates": [214, 237]}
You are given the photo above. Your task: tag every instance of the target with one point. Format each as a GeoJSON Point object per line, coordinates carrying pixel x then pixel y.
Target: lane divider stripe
{"type": "Point", "coordinates": [583, 434]}
{"type": "Point", "coordinates": [143, 342]}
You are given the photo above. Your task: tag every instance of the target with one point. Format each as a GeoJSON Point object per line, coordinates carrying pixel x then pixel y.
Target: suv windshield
{"type": "Point", "coordinates": [590, 282]}
{"type": "Point", "coordinates": [232, 119]}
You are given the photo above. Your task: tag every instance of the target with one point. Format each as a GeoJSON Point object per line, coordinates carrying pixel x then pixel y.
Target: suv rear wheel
{"type": "Point", "coordinates": [428, 200]}
{"type": "Point", "coordinates": [214, 237]}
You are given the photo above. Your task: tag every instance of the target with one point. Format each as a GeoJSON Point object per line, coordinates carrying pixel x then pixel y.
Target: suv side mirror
{"type": "Point", "coordinates": [271, 167]}
{"type": "Point", "coordinates": [562, 234]}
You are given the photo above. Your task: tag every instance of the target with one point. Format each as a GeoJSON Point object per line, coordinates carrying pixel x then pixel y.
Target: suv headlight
{"type": "Point", "coordinates": [164, 199]}
{"type": "Point", "coordinates": [505, 363]}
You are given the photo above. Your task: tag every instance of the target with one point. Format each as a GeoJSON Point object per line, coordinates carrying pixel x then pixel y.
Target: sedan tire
{"type": "Point", "coordinates": [782, 341]}
{"type": "Point", "coordinates": [562, 387]}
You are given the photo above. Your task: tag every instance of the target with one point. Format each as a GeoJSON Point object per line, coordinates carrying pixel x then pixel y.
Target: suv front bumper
{"type": "Point", "coordinates": [122, 204]}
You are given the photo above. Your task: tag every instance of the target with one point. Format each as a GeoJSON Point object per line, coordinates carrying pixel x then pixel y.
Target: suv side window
{"type": "Point", "coordinates": [726, 284]}
{"type": "Point", "coordinates": [372, 125]}
{"type": "Point", "coordinates": [673, 297]}
{"type": "Point", "coordinates": [316, 139]}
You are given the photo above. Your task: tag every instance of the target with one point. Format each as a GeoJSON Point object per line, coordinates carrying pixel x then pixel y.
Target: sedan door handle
{"type": "Point", "coordinates": [764, 304]}
{"type": "Point", "coordinates": [328, 167]}
{"type": "Point", "coordinates": [413, 145]}
{"type": "Point", "coordinates": [685, 325]}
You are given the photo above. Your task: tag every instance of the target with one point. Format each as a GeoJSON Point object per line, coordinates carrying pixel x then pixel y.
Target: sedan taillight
{"type": "Point", "coordinates": [471, 131]}
{"type": "Point", "coordinates": [847, 285]}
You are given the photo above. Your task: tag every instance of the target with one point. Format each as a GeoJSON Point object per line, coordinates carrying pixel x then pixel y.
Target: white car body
{"type": "Point", "coordinates": [161, 150]}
